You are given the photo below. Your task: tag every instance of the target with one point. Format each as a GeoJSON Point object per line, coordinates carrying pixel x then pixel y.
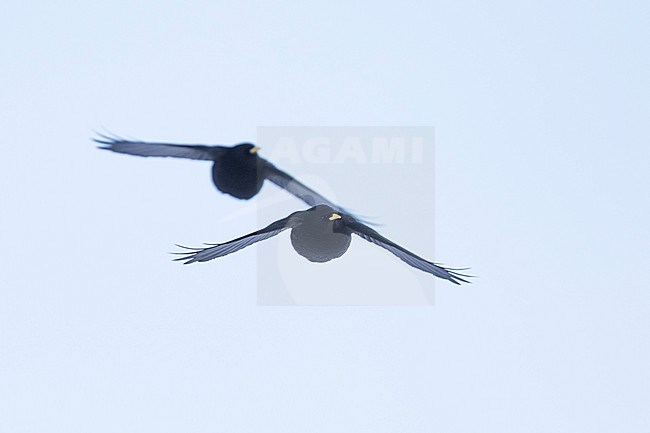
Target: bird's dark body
{"type": "Point", "coordinates": [238, 176]}
{"type": "Point", "coordinates": [320, 240]}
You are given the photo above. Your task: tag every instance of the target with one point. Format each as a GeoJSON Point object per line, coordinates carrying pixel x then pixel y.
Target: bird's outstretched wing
{"type": "Point", "coordinates": [212, 251]}
{"type": "Point", "coordinates": [143, 148]}
{"type": "Point", "coordinates": [300, 190]}
{"type": "Point", "coordinates": [417, 262]}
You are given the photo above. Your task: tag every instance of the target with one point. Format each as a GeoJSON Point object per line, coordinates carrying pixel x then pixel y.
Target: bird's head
{"type": "Point", "coordinates": [326, 214]}
{"type": "Point", "coordinates": [246, 150]}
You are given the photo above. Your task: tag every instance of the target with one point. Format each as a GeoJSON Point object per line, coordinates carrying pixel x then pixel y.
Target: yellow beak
{"type": "Point", "coordinates": [334, 217]}
{"type": "Point", "coordinates": [254, 150]}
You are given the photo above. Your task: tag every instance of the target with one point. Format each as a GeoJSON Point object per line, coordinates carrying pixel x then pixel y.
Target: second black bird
{"type": "Point", "coordinates": [236, 170]}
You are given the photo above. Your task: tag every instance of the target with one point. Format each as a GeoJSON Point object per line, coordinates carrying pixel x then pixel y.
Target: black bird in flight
{"type": "Point", "coordinates": [236, 170]}
{"type": "Point", "coordinates": [320, 234]}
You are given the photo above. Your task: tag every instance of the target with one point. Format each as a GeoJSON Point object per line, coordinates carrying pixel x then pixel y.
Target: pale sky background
{"type": "Point", "coordinates": [541, 116]}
